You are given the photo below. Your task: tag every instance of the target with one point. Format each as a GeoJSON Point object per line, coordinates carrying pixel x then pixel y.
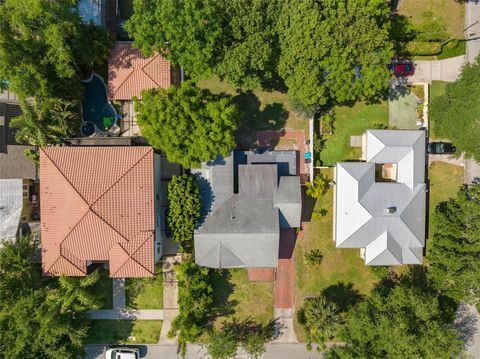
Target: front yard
{"type": "Point", "coordinates": [236, 296]}
{"type": "Point", "coordinates": [350, 121]}
{"type": "Point", "coordinates": [103, 288]}
{"type": "Point", "coordinates": [437, 88]}
{"type": "Point", "coordinates": [145, 293]}
{"type": "Point", "coordinates": [342, 273]}
{"type": "Point", "coordinates": [124, 332]}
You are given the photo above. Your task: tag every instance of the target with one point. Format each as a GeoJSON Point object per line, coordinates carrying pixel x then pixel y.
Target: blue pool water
{"type": "Point", "coordinates": [95, 105]}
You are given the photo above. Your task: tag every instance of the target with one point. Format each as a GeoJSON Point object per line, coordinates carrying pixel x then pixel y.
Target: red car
{"type": "Point", "coordinates": [402, 69]}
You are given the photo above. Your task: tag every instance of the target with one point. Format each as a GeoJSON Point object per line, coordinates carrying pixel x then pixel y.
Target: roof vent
{"type": "Point", "coordinates": [391, 210]}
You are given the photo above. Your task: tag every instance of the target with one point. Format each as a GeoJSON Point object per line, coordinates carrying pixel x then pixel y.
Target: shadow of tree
{"type": "Point", "coordinates": [253, 118]}
{"type": "Point", "coordinates": [222, 289]}
{"type": "Point", "coordinates": [245, 327]}
{"type": "Point", "coordinates": [343, 295]}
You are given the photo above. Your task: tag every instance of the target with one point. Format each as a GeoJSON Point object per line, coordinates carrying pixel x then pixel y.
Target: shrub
{"type": "Point", "coordinates": [424, 48]}
{"type": "Point", "coordinates": [314, 258]}
{"type": "Point", "coordinates": [318, 187]}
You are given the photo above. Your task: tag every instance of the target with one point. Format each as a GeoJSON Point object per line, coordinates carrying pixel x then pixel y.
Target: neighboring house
{"type": "Point", "coordinates": [99, 205]}
{"type": "Point", "coordinates": [129, 72]}
{"type": "Point", "coordinates": [241, 226]}
{"type": "Point", "coordinates": [18, 199]}
{"type": "Point", "coordinates": [380, 204]}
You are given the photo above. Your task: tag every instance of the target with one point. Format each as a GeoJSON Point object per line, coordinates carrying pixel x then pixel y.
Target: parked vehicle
{"type": "Point", "coordinates": [122, 353]}
{"type": "Point", "coordinates": [404, 69]}
{"type": "Point", "coordinates": [441, 148]}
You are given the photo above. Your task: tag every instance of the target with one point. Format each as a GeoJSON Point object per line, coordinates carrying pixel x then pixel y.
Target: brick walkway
{"type": "Point", "coordinates": [285, 280]}
{"type": "Point", "coordinates": [264, 138]}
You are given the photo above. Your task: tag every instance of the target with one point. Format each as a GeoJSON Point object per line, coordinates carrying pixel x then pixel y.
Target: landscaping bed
{"type": "Point", "coordinates": [342, 272]}
{"type": "Point", "coordinates": [124, 332]}
{"type": "Point", "coordinates": [351, 121]}
{"type": "Point", "coordinates": [103, 288]}
{"type": "Point", "coordinates": [145, 293]}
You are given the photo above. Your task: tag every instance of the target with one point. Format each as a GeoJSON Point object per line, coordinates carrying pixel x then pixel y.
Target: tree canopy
{"type": "Point", "coordinates": [188, 124]}
{"type": "Point", "coordinates": [454, 257]}
{"type": "Point", "coordinates": [405, 322]}
{"type": "Point", "coordinates": [40, 317]}
{"type": "Point", "coordinates": [456, 114]}
{"type": "Point", "coordinates": [334, 49]}
{"type": "Point", "coordinates": [184, 209]}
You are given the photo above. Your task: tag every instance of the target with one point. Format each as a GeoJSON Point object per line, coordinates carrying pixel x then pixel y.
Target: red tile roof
{"type": "Point", "coordinates": [97, 204]}
{"type": "Point", "coordinates": [129, 72]}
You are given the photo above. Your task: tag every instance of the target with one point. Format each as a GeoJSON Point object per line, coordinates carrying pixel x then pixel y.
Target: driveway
{"type": "Point", "coordinates": [437, 70]}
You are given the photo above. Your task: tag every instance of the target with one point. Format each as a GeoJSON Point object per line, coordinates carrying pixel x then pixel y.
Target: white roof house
{"type": "Point", "coordinates": [11, 204]}
{"type": "Point", "coordinates": [381, 203]}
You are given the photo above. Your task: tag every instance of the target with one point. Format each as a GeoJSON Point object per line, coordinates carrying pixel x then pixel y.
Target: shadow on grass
{"type": "Point", "coordinates": [244, 328]}
{"type": "Point", "coordinates": [253, 118]}
{"type": "Point", "coordinates": [343, 295]}
{"type": "Point", "coordinates": [222, 289]}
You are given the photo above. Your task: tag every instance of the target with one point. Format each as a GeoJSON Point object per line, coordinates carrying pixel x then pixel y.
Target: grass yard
{"type": "Point", "coordinates": [447, 13]}
{"type": "Point", "coordinates": [145, 293]}
{"type": "Point", "coordinates": [437, 88]}
{"type": "Point", "coordinates": [445, 180]}
{"type": "Point", "coordinates": [236, 296]}
{"type": "Point", "coordinates": [103, 288]}
{"type": "Point", "coordinates": [342, 274]}
{"type": "Point", "coordinates": [261, 109]}
{"type": "Point", "coordinates": [351, 121]}
{"type": "Point", "coordinates": [124, 332]}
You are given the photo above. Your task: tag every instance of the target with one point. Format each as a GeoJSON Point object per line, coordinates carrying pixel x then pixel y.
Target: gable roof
{"type": "Point", "coordinates": [97, 205]}
{"type": "Point", "coordinates": [129, 72]}
{"type": "Point", "coordinates": [11, 204]}
{"type": "Point", "coordinates": [243, 229]}
{"type": "Point", "coordinates": [13, 162]}
{"type": "Point", "coordinates": [362, 219]}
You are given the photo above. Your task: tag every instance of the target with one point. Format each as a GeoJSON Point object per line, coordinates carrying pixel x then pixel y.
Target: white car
{"type": "Point", "coordinates": [122, 353]}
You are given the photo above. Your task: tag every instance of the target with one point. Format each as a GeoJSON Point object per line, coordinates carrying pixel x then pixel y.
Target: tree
{"type": "Point", "coordinates": [222, 345]}
{"type": "Point", "coordinates": [454, 257]}
{"type": "Point", "coordinates": [189, 33]}
{"type": "Point", "coordinates": [334, 49]}
{"type": "Point", "coordinates": [194, 303]}
{"type": "Point", "coordinates": [403, 322]}
{"type": "Point", "coordinates": [314, 257]}
{"type": "Point", "coordinates": [318, 187]}
{"type": "Point", "coordinates": [43, 48]}
{"type": "Point", "coordinates": [456, 114]}
{"type": "Point", "coordinates": [184, 209]}
{"type": "Point", "coordinates": [320, 320]}
{"type": "Point", "coordinates": [189, 124]}
{"type": "Point", "coordinates": [40, 317]}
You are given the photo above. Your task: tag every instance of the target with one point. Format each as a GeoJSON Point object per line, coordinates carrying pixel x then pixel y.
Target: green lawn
{"type": "Point", "coordinates": [445, 180]}
{"type": "Point", "coordinates": [145, 293]}
{"type": "Point", "coordinates": [342, 274]}
{"type": "Point", "coordinates": [124, 332]}
{"type": "Point", "coordinates": [236, 296]}
{"type": "Point", "coordinates": [103, 288]}
{"type": "Point", "coordinates": [437, 88]}
{"type": "Point", "coordinates": [351, 121]}
{"type": "Point", "coordinates": [261, 109]}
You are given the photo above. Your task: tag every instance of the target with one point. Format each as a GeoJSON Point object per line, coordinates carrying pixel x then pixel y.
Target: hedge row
{"type": "Point", "coordinates": [418, 48]}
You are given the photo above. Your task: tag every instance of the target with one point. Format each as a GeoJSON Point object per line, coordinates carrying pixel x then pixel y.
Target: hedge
{"type": "Point", "coordinates": [424, 48]}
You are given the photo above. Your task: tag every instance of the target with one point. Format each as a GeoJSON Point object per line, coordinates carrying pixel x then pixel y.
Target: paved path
{"type": "Point", "coordinates": [439, 70]}
{"type": "Point", "coordinates": [118, 289]}
{"type": "Point", "coordinates": [127, 314]}
{"type": "Point", "coordinates": [170, 298]}
{"type": "Point", "coordinates": [467, 322]}
{"type": "Point", "coordinates": [274, 351]}
{"type": "Point", "coordinates": [472, 15]}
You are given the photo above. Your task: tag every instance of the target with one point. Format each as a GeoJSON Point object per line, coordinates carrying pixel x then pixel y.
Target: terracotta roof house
{"type": "Point", "coordinates": [98, 205]}
{"type": "Point", "coordinates": [241, 226]}
{"type": "Point", "coordinates": [129, 72]}
{"type": "Point", "coordinates": [380, 204]}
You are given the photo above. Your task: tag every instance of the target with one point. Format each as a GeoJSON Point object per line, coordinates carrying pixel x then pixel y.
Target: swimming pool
{"type": "Point", "coordinates": [95, 106]}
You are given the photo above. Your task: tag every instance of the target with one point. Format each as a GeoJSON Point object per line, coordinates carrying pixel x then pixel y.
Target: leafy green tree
{"type": "Point", "coordinates": [318, 187]}
{"type": "Point", "coordinates": [184, 209]}
{"type": "Point", "coordinates": [334, 49]}
{"type": "Point", "coordinates": [194, 302]}
{"type": "Point", "coordinates": [40, 317]}
{"type": "Point", "coordinates": [189, 33]}
{"type": "Point", "coordinates": [222, 345]}
{"type": "Point", "coordinates": [189, 124]}
{"type": "Point", "coordinates": [454, 257]}
{"type": "Point", "coordinates": [46, 122]}
{"type": "Point", "coordinates": [404, 322]}
{"type": "Point", "coordinates": [456, 114]}
{"type": "Point", "coordinates": [320, 320]}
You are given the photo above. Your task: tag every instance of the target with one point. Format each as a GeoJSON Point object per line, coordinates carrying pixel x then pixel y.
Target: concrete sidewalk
{"type": "Point", "coordinates": [437, 70]}
{"type": "Point", "coordinates": [127, 314]}
{"type": "Point", "coordinates": [472, 15]}
{"type": "Point", "coordinates": [170, 298]}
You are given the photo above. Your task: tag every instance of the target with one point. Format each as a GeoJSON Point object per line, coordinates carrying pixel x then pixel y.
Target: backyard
{"type": "Point", "coordinates": [236, 296]}
{"type": "Point", "coordinates": [124, 331]}
{"type": "Point", "coordinates": [342, 274]}
{"type": "Point", "coordinates": [350, 121]}
{"type": "Point", "coordinates": [145, 293]}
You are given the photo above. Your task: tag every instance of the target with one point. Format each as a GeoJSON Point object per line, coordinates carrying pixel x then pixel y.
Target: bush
{"type": "Point", "coordinates": [318, 187]}
{"type": "Point", "coordinates": [314, 258]}
{"type": "Point", "coordinates": [421, 48]}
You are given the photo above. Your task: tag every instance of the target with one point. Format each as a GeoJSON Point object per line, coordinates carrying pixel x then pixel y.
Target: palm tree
{"type": "Point", "coordinates": [320, 320]}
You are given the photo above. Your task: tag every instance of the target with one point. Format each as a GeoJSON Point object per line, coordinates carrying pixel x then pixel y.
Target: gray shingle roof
{"type": "Point", "coordinates": [243, 229]}
{"type": "Point", "coordinates": [362, 218]}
